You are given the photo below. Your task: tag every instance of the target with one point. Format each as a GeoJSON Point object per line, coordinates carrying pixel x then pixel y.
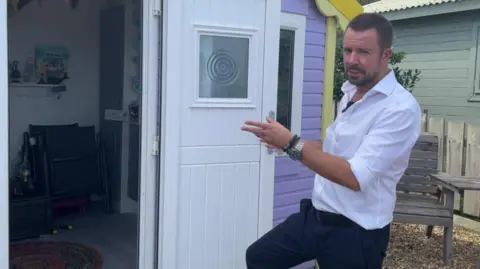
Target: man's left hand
{"type": "Point", "coordinates": [272, 134]}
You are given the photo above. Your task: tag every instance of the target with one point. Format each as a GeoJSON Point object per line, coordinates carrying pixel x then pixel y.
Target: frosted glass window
{"type": "Point", "coordinates": [223, 67]}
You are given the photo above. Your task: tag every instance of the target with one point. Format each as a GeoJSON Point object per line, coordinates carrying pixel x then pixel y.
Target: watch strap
{"type": "Point", "coordinates": [291, 143]}
{"type": "Point", "coordinates": [295, 152]}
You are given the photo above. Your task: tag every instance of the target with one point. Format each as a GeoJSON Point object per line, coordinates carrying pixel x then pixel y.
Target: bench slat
{"type": "Point", "coordinates": [426, 163]}
{"type": "Point", "coordinates": [420, 201]}
{"type": "Point", "coordinates": [420, 171]}
{"type": "Point", "coordinates": [413, 183]}
{"type": "Point", "coordinates": [440, 211]}
{"type": "Point", "coordinates": [420, 154]}
{"type": "Point", "coordinates": [417, 197]}
{"type": "Point", "coordinates": [401, 187]}
{"type": "Point", "coordinates": [426, 147]}
{"type": "Point", "coordinates": [414, 179]}
{"type": "Point", "coordinates": [428, 138]}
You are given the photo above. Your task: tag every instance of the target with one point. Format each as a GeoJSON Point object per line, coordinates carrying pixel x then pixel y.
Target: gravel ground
{"type": "Point", "coordinates": [409, 248]}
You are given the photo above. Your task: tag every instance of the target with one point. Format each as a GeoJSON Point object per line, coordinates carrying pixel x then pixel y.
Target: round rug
{"type": "Point", "coordinates": [53, 255]}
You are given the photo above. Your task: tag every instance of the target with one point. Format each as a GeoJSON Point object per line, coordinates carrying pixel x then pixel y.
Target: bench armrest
{"type": "Point", "coordinates": [441, 179]}
{"type": "Point", "coordinates": [457, 183]}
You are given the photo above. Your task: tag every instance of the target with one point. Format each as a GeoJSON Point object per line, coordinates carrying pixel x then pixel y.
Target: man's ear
{"type": "Point", "coordinates": [387, 53]}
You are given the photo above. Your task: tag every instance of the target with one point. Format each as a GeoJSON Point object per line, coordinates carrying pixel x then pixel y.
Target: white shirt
{"type": "Point", "coordinates": [376, 136]}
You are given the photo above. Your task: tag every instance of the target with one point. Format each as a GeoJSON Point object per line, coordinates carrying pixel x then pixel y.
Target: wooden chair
{"type": "Point", "coordinates": [420, 200]}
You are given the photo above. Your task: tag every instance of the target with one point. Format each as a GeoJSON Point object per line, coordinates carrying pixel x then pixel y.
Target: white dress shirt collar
{"type": "Point", "coordinates": [383, 86]}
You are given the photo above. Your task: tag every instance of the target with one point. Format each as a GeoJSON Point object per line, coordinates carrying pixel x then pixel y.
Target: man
{"type": "Point", "coordinates": [363, 156]}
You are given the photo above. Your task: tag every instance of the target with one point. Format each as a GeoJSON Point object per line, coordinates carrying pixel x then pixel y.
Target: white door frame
{"type": "Point", "coordinates": [4, 163]}
{"type": "Point", "coordinates": [170, 126]}
{"type": "Point", "coordinates": [269, 104]}
{"type": "Point", "coordinates": [148, 201]}
{"type": "Point", "coordinates": [297, 23]}
{"type": "Point", "coordinates": [173, 22]}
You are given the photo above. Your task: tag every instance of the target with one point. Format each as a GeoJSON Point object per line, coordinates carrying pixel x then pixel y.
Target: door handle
{"type": "Point", "coordinates": [271, 115]}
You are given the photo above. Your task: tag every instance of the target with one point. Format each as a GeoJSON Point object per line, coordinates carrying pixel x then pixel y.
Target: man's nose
{"type": "Point", "coordinates": [352, 58]}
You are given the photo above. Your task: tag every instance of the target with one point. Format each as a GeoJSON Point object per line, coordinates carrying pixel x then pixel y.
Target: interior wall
{"type": "Point", "coordinates": [55, 23]}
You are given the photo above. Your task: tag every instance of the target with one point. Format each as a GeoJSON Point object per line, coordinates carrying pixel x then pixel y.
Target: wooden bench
{"type": "Point", "coordinates": [420, 199]}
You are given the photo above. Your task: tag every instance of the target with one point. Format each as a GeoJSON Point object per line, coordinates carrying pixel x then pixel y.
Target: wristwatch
{"type": "Point", "coordinates": [295, 152]}
{"type": "Point", "coordinates": [294, 148]}
{"type": "Point", "coordinates": [291, 143]}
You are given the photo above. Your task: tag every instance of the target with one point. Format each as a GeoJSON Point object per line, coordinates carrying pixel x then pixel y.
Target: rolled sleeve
{"type": "Point", "coordinates": [392, 136]}
{"type": "Point", "coordinates": [361, 170]}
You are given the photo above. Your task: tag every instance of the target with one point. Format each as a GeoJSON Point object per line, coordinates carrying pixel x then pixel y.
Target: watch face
{"type": "Point", "coordinates": [296, 152]}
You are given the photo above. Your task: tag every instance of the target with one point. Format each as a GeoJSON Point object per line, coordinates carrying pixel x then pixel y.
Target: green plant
{"type": "Point", "coordinates": [406, 77]}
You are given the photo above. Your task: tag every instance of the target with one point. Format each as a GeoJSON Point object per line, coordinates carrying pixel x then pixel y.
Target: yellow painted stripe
{"type": "Point", "coordinates": [328, 10]}
{"type": "Point", "coordinates": [328, 72]}
{"type": "Point", "coordinates": [338, 13]}
{"type": "Point", "coordinates": [349, 8]}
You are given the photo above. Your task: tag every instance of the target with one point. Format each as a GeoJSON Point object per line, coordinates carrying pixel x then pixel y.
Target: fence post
{"type": "Point", "coordinates": [425, 120]}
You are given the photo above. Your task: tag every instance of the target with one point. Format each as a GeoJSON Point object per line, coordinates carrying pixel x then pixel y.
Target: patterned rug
{"type": "Point", "coordinates": [53, 255]}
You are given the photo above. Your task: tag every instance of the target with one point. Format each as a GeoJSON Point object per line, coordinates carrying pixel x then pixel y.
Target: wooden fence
{"type": "Point", "coordinates": [459, 155]}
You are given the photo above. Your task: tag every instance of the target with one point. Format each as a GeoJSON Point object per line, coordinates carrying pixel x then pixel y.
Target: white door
{"type": "Point", "coordinates": [219, 197]}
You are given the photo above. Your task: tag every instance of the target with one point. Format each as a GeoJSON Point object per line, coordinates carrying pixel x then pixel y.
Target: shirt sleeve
{"type": "Point", "coordinates": [391, 136]}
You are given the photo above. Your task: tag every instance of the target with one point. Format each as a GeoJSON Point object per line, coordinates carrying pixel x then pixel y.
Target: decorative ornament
{"type": "Point", "coordinates": [136, 84]}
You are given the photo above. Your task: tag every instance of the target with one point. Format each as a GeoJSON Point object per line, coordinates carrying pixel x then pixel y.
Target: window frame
{"type": "Point", "coordinates": [298, 24]}
{"type": "Point", "coordinates": [475, 63]}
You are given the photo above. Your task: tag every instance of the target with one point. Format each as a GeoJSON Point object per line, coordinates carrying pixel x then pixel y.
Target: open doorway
{"type": "Point", "coordinates": [74, 132]}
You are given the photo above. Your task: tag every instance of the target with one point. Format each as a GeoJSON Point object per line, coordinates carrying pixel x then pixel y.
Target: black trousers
{"type": "Point", "coordinates": [333, 240]}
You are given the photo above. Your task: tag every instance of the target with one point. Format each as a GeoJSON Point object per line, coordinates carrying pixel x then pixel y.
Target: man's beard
{"type": "Point", "coordinates": [362, 80]}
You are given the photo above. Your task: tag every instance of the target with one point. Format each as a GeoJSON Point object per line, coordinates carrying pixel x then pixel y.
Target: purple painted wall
{"type": "Point", "coordinates": [293, 181]}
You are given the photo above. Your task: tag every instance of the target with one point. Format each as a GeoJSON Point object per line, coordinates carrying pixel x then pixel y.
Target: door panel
{"type": "Point", "coordinates": [111, 92]}
{"type": "Point", "coordinates": [220, 166]}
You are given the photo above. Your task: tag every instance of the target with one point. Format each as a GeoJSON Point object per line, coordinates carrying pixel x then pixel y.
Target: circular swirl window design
{"type": "Point", "coordinates": [221, 68]}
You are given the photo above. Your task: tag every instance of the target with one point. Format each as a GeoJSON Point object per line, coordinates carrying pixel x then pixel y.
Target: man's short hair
{"type": "Point", "coordinates": [368, 21]}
